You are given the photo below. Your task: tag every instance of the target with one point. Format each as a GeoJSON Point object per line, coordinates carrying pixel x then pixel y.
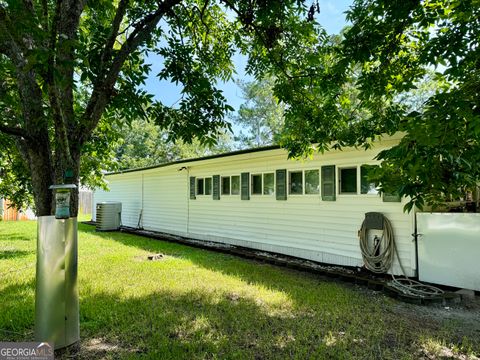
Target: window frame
{"type": "Point", "coordinates": [303, 171]}
{"type": "Point", "coordinates": [262, 183]}
{"type": "Point", "coordinates": [339, 180]}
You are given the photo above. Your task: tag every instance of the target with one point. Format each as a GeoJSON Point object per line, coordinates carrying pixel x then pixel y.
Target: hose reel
{"type": "Point", "coordinates": [379, 257]}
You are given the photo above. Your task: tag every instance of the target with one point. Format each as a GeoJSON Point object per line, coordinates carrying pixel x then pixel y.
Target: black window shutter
{"type": "Point", "coordinates": [245, 186]}
{"type": "Point", "coordinates": [192, 188]}
{"type": "Point", "coordinates": [281, 184]}
{"type": "Point", "coordinates": [328, 183]}
{"type": "Point", "coordinates": [216, 187]}
{"type": "Point", "coordinates": [389, 197]}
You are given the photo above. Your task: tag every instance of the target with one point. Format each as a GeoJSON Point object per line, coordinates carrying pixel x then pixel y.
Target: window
{"type": "Point", "coordinates": [200, 188]}
{"type": "Point", "coordinates": [348, 181]}
{"type": "Point", "coordinates": [295, 182]}
{"type": "Point", "coordinates": [208, 186]}
{"type": "Point", "coordinates": [312, 182]}
{"type": "Point", "coordinates": [366, 185]}
{"type": "Point", "coordinates": [235, 185]}
{"type": "Point", "coordinates": [226, 185]}
{"type": "Point", "coordinates": [257, 184]}
{"type": "Point", "coordinates": [268, 184]}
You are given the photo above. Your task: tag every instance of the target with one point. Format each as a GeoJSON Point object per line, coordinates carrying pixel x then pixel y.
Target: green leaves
{"type": "Point", "coordinates": [406, 66]}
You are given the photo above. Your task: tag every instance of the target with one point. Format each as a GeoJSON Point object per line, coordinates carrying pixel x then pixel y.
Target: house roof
{"type": "Point", "coordinates": [209, 157]}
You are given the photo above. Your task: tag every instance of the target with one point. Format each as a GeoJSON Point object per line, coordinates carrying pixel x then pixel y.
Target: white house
{"type": "Point", "coordinates": [260, 199]}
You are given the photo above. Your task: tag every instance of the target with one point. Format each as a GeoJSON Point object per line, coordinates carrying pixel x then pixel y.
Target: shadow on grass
{"type": "Point", "coordinates": [340, 316]}
{"type": "Point", "coordinates": [10, 254]}
{"type": "Point", "coordinates": [191, 326]}
{"type": "Point", "coordinates": [325, 320]}
{"type": "Point", "coordinates": [249, 270]}
{"type": "Point", "coordinates": [17, 236]}
{"type": "Point", "coordinates": [164, 325]}
{"type": "Point", "coordinates": [17, 311]}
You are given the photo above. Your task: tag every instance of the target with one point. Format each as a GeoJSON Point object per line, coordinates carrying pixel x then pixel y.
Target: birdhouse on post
{"type": "Point", "coordinates": [62, 200]}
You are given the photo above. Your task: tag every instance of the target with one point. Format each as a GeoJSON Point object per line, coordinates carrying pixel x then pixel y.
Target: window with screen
{"type": "Point", "coordinates": [348, 180]}
{"type": "Point", "coordinates": [268, 184]}
{"type": "Point", "coordinates": [235, 185]}
{"type": "Point", "coordinates": [208, 186]}
{"type": "Point", "coordinates": [312, 182]}
{"type": "Point", "coordinates": [367, 186]}
{"type": "Point", "coordinates": [226, 185]}
{"type": "Point", "coordinates": [200, 186]}
{"type": "Point", "coordinates": [295, 182]}
{"type": "Point", "coordinates": [257, 184]}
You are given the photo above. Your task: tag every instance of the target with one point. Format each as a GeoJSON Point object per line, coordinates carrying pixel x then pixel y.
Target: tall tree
{"type": "Point", "coordinates": [71, 68]}
{"type": "Point", "coordinates": [261, 115]}
{"type": "Point", "coordinates": [143, 144]}
{"type": "Point", "coordinates": [384, 56]}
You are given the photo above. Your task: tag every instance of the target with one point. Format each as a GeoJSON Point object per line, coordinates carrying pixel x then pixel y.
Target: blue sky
{"type": "Point", "coordinates": [331, 17]}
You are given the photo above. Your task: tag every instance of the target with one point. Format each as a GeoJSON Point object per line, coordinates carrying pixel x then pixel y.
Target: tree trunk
{"type": "Point", "coordinates": [76, 180]}
{"type": "Point", "coordinates": [44, 174]}
{"type": "Point", "coordinates": [37, 157]}
{"type": "Point", "coordinates": [39, 161]}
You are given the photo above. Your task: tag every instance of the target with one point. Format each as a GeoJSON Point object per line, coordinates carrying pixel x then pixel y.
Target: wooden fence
{"type": "Point", "coordinates": [10, 213]}
{"type": "Point", "coordinates": [85, 199]}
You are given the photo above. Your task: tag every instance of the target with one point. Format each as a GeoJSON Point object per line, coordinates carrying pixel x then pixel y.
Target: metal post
{"type": "Point", "coordinates": [56, 300]}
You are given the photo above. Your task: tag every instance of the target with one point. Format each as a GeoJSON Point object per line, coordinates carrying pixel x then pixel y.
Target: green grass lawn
{"type": "Point", "coordinates": [197, 304]}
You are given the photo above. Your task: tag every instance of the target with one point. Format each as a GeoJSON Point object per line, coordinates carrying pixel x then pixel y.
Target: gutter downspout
{"type": "Point", "coordinates": [188, 201]}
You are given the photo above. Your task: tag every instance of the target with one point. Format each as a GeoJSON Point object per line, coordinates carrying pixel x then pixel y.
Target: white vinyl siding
{"type": "Point", "coordinates": [303, 226]}
{"type": "Point", "coordinates": [126, 188]}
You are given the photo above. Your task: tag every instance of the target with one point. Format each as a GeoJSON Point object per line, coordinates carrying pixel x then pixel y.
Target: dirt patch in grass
{"type": "Point", "coordinates": [440, 315]}
{"type": "Point", "coordinates": [460, 321]}
{"type": "Point", "coordinates": [95, 348]}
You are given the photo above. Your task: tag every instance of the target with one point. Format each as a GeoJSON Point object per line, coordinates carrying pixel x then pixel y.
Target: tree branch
{"type": "Point", "coordinates": [29, 90]}
{"type": "Point", "coordinates": [8, 45]}
{"type": "Point", "coordinates": [45, 14]}
{"type": "Point", "coordinates": [59, 121]}
{"type": "Point", "coordinates": [64, 32]}
{"type": "Point", "coordinates": [117, 21]}
{"type": "Point", "coordinates": [103, 87]}
{"type": "Point", "coordinates": [277, 63]}
{"type": "Point", "coordinates": [15, 131]}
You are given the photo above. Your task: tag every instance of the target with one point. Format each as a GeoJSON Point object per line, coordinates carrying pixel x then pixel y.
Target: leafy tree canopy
{"type": "Point", "coordinates": [349, 92]}
{"type": "Point", "coordinates": [71, 70]}
{"type": "Point", "coordinates": [143, 144]}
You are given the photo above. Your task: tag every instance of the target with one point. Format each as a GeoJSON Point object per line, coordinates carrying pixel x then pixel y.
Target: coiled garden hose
{"type": "Point", "coordinates": [379, 259]}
